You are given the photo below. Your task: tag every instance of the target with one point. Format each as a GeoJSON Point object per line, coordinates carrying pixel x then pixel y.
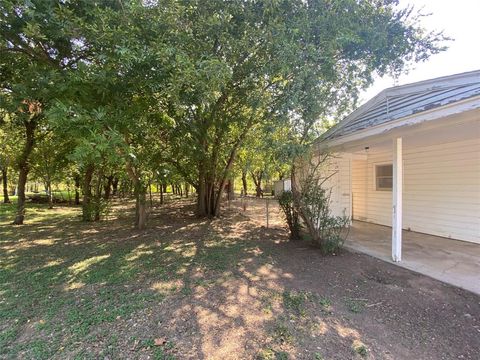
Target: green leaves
{"type": "Point", "coordinates": [183, 83]}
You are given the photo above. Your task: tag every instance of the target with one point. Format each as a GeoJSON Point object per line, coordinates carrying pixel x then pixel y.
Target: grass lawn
{"type": "Point", "coordinates": [188, 288]}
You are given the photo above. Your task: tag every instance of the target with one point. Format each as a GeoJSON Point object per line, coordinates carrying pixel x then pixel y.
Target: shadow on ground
{"type": "Point", "coordinates": [229, 288]}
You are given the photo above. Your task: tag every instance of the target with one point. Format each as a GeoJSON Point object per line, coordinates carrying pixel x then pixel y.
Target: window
{"type": "Point", "coordinates": [383, 177]}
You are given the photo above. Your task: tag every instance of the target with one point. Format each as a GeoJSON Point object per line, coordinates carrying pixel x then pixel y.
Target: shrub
{"type": "Point", "coordinates": [291, 214]}
{"type": "Point", "coordinates": [312, 200]}
{"type": "Point", "coordinates": [96, 209]}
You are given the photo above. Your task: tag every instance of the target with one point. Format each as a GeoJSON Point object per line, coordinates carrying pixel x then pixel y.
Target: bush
{"type": "Point", "coordinates": [291, 214]}
{"type": "Point", "coordinates": [312, 200]}
{"type": "Point", "coordinates": [327, 232]}
{"type": "Point", "coordinates": [95, 210]}
{"type": "Point", "coordinates": [43, 199]}
{"type": "Point", "coordinates": [334, 234]}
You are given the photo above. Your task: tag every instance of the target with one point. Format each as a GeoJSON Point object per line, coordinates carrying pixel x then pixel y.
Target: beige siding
{"type": "Point", "coordinates": [340, 186]}
{"type": "Point", "coordinates": [378, 202]}
{"type": "Point", "coordinates": [359, 189]}
{"type": "Point", "coordinates": [441, 190]}
{"type": "Point", "coordinates": [345, 195]}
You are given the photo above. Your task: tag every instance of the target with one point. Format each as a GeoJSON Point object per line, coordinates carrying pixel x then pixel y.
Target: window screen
{"type": "Point", "coordinates": [384, 177]}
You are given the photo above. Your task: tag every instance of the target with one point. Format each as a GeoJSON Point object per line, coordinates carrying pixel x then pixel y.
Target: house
{"type": "Point", "coordinates": [280, 186]}
{"type": "Point", "coordinates": [410, 159]}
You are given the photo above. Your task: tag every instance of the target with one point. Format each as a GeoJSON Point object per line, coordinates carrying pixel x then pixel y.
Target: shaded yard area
{"type": "Point", "coordinates": [188, 288]}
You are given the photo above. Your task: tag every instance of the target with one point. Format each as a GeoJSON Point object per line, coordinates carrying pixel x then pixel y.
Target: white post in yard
{"type": "Point", "coordinates": [397, 191]}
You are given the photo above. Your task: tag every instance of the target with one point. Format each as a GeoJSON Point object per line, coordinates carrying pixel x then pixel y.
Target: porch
{"type": "Point", "coordinates": [450, 261]}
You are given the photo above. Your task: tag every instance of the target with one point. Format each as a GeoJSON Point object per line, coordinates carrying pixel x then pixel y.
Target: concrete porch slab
{"type": "Point", "coordinates": [451, 261]}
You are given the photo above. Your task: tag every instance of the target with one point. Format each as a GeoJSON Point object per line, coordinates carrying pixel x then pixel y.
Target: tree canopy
{"type": "Point", "coordinates": [129, 89]}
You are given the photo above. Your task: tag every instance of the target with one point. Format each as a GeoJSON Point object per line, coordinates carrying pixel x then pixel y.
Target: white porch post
{"type": "Point", "coordinates": [397, 192]}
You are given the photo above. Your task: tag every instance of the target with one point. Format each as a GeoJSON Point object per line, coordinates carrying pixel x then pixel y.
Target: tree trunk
{"type": "Point", "coordinates": [211, 188]}
{"type": "Point", "coordinates": [150, 194]}
{"type": "Point", "coordinates": [205, 199]}
{"type": "Point", "coordinates": [98, 195]}
{"type": "Point", "coordinates": [217, 198]}
{"type": "Point", "coordinates": [257, 180]}
{"type": "Point", "coordinates": [140, 191]}
{"type": "Point", "coordinates": [108, 187]}
{"type": "Point", "coordinates": [258, 190]}
{"type": "Point", "coordinates": [87, 193]}
{"type": "Point", "coordinates": [187, 189]}
{"type": "Point", "coordinates": [244, 182]}
{"type": "Point", "coordinates": [77, 188]}
{"type": "Point", "coordinates": [140, 207]}
{"type": "Point", "coordinates": [6, 199]}
{"type": "Point", "coordinates": [24, 168]}
{"type": "Point", "coordinates": [202, 191]}
{"type": "Point", "coordinates": [231, 192]}
{"type": "Point", "coordinates": [209, 198]}
{"type": "Point", "coordinates": [226, 174]}
{"type": "Point", "coordinates": [115, 186]}
{"type": "Point", "coordinates": [22, 180]}
{"type": "Point", "coordinates": [161, 187]}
{"type": "Point", "coordinates": [50, 194]}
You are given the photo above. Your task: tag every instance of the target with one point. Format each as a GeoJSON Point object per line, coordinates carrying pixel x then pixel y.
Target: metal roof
{"type": "Point", "coordinates": [401, 101]}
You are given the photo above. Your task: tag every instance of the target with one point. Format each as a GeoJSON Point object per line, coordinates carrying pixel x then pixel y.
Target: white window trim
{"type": "Point", "coordinates": [375, 175]}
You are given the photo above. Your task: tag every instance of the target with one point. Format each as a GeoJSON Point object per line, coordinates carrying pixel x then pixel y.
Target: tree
{"type": "Point", "coordinates": [93, 147]}
{"type": "Point", "coordinates": [50, 162]}
{"type": "Point", "coordinates": [246, 63]}
{"type": "Point", "coordinates": [8, 148]}
{"type": "Point", "coordinates": [139, 85]}
{"type": "Point", "coordinates": [30, 118]}
{"type": "Point", "coordinates": [116, 100]}
{"type": "Point", "coordinates": [40, 41]}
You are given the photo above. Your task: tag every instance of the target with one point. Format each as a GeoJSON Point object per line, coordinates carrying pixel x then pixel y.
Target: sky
{"type": "Point", "coordinates": [460, 20]}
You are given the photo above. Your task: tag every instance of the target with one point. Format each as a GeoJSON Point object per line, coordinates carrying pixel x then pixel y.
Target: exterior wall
{"type": "Point", "coordinates": [340, 185]}
{"type": "Point", "coordinates": [441, 190]}
{"type": "Point", "coordinates": [280, 186]}
{"type": "Point", "coordinates": [359, 189]}
{"type": "Point", "coordinates": [378, 206]}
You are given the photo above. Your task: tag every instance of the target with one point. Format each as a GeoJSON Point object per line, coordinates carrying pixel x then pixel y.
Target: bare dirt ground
{"type": "Point", "coordinates": [229, 288]}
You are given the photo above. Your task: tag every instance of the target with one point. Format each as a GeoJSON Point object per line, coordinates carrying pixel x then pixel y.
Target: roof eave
{"type": "Point", "coordinates": [425, 85]}
{"type": "Point", "coordinates": [410, 120]}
